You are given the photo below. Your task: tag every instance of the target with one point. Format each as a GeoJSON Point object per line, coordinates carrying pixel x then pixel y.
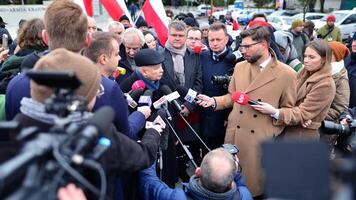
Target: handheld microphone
{"type": "Point", "coordinates": [131, 99]}
{"type": "Point", "coordinates": [162, 104]}
{"type": "Point", "coordinates": [189, 94]}
{"type": "Point", "coordinates": [119, 71]}
{"type": "Point", "coordinates": [243, 99]}
{"type": "Point", "coordinates": [139, 84]}
{"type": "Point", "coordinates": [145, 99]}
{"type": "Point", "coordinates": [171, 97]}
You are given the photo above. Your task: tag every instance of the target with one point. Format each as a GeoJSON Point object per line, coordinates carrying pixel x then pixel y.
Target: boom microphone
{"type": "Point", "coordinates": [167, 91]}
{"type": "Point", "coordinates": [243, 99]}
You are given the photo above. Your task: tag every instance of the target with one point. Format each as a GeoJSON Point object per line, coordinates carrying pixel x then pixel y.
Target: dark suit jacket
{"type": "Point", "coordinates": [192, 71]}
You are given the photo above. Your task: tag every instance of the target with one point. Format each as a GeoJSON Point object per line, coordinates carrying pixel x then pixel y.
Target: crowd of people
{"type": "Point", "coordinates": [294, 79]}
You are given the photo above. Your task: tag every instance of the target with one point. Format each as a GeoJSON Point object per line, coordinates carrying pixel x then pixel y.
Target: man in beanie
{"type": "Point", "coordinates": [141, 154]}
{"type": "Point", "coordinates": [284, 41]}
{"type": "Point", "coordinates": [350, 64]}
{"type": "Point", "coordinates": [299, 37]}
{"type": "Point", "coordinates": [142, 25]}
{"type": "Point", "coordinates": [124, 20]}
{"type": "Point", "coordinates": [329, 31]}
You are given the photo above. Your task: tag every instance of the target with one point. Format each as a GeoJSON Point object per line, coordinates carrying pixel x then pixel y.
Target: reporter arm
{"type": "Point", "coordinates": [127, 155]}
{"type": "Point", "coordinates": [151, 187]}
{"type": "Point", "coordinates": [136, 122]}
{"type": "Point", "coordinates": [245, 194]}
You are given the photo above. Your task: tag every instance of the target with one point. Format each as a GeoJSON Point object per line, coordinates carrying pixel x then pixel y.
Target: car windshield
{"type": "Point", "coordinates": [288, 20]}
{"type": "Point", "coordinates": [338, 16]}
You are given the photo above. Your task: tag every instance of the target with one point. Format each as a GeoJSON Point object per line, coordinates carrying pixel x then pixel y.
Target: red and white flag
{"type": "Point", "coordinates": [155, 16]}
{"type": "Point", "coordinates": [116, 9]}
{"type": "Point", "coordinates": [86, 5]}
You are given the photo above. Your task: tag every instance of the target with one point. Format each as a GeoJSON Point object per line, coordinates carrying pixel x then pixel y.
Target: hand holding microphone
{"type": "Point", "coordinates": [205, 101]}
{"type": "Point", "coordinates": [244, 99]}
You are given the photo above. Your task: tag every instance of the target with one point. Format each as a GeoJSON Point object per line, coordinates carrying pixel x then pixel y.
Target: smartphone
{"type": "Point", "coordinates": [5, 38]}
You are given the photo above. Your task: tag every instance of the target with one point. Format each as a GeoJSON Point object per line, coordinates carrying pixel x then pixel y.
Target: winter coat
{"type": "Point", "coordinates": [342, 96]}
{"type": "Point", "coordinates": [316, 92]}
{"type": "Point", "coordinates": [248, 128]}
{"type": "Point", "coordinates": [151, 187]}
{"type": "Point", "coordinates": [350, 65]}
{"type": "Point", "coordinates": [334, 35]}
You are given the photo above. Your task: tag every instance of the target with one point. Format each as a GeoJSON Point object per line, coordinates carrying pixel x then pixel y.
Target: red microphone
{"type": "Point", "coordinates": [243, 99]}
{"type": "Point", "coordinates": [139, 84]}
{"type": "Point", "coordinates": [197, 49]}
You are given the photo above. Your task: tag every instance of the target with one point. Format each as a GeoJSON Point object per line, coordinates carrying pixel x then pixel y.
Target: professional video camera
{"type": "Point", "coordinates": [54, 158]}
{"type": "Point", "coordinates": [344, 134]}
{"type": "Point", "coordinates": [222, 80]}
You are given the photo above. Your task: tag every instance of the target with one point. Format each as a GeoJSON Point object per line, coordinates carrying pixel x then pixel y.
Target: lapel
{"type": "Point", "coordinates": [168, 63]}
{"type": "Point", "coordinates": [260, 79]}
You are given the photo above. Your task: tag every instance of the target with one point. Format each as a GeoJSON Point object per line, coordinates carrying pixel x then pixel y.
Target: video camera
{"type": "Point", "coordinates": [223, 80]}
{"type": "Point", "coordinates": [58, 156]}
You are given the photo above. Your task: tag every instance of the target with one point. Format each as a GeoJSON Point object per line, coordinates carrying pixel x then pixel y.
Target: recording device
{"type": "Point", "coordinates": [131, 99]}
{"type": "Point", "coordinates": [243, 99]}
{"type": "Point", "coordinates": [171, 97]}
{"type": "Point", "coordinates": [119, 71]}
{"type": "Point", "coordinates": [139, 84]}
{"type": "Point", "coordinates": [64, 84]}
{"type": "Point", "coordinates": [145, 99]}
{"type": "Point", "coordinates": [220, 80]}
{"type": "Point", "coordinates": [231, 148]}
{"type": "Point", "coordinates": [5, 41]}
{"type": "Point", "coordinates": [162, 103]}
{"type": "Point", "coordinates": [189, 94]}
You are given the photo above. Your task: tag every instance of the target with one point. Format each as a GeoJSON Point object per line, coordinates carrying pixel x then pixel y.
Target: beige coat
{"type": "Point", "coordinates": [246, 127]}
{"type": "Point", "coordinates": [316, 92]}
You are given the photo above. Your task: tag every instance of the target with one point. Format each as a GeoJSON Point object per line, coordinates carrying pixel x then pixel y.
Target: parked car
{"type": "Point", "coordinates": [312, 16]}
{"type": "Point", "coordinates": [280, 22]}
{"type": "Point", "coordinates": [288, 13]}
{"type": "Point", "coordinates": [202, 10]}
{"type": "Point", "coordinates": [345, 20]}
{"type": "Point", "coordinates": [223, 12]}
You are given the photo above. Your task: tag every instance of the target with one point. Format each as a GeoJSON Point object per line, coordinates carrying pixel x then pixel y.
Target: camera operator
{"type": "Point", "coordinates": [104, 52]}
{"type": "Point", "coordinates": [124, 155]}
{"type": "Point", "coordinates": [218, 177]}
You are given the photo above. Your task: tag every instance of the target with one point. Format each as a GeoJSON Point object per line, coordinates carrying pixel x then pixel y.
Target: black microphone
{"type": "Point", "coordinates": [164, 135]}
{"type": "Point", "coordinates": [189, 94]}
{"type": "Point", "coordinates": [133, 98]}
{"type": "Point", "coordinates": [162, 104]}
{"type": "Point", "coordinates": [145, 99]}
{"type": "Point", "coordinates": [97, 125]}
{"type": "Point", "coordinates": [166, 90]}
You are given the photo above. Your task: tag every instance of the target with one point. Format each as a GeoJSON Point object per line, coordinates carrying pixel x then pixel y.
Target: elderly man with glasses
{"type": "Point", "coordinates": [263, 78]}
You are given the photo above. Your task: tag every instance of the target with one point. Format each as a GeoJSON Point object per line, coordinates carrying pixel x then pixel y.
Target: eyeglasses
{"type": "Point", "coordinates": [193, 38]}
{"type": "Point", "coordinates": [247, 46]}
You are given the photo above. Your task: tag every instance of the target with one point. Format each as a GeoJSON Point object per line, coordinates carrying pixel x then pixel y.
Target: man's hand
{"type": "Point", "coordinates": [185, 112]}
{"type": "Point", "coordinates": [306, 123]}
{"type": "Point", "coordinates": [145, 110]}
{"type": "Point", "coordinates": [205, 101]}
{"type": "Point", "coordinates": [265, 108]}
{"type": "Point", "coordinates": [70, 192]}
{"type": "Point", "coordinates": [3, 54]}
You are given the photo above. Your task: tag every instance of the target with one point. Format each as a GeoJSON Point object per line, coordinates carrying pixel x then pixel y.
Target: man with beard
{"type": "Point", "coordinates": [329, 31]}
{"type": "Point", "coordinates": [263, 78]}
{"type": "Point", "coordinates": [299, 38]}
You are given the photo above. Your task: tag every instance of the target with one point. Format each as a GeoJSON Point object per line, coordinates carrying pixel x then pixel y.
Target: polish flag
{"type": "Point", "coordinates": [86, 5]}
{"type": "Point", "coordinates": [116, 9]}
{"type": "Point", "coordinates": [155, 16]}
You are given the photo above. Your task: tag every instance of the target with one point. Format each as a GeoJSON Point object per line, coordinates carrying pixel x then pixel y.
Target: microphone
{"type": "Point", "coordinates": [139, 84]}
{"type": "Point", "coordinates": [164, 136]}
{"type": "Point", "coordinates": [171, 96]}
{"type": "Point", "coordinates": [119, 71]}
{"type": "Point", "coordinates": [131, 99]}
{"type": "Point", "coordinates": [162, 104]}
{"type": "Point", "coordinates": [97, 125]}
{"type": "Point", "coordinates": [234, 56]}
{"type": "Point", "coordinates": [243, 99]}
{"type": "Point", "coordinates": [189, 94]}
{"type": "Point", "coordinates": [145, 99]}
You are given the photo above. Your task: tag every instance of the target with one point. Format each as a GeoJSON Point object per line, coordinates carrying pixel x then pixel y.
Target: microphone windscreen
{"type": "Point", "coordinates": [240, 98]}
{"type": "Point", "coordinates": [103, 118]}
{"type": "Point", "coordinates": [136, 94]}
{"type": "Point", "coordinates": [183, 91]}
{"type": "Point", "coordinates": [197, 49]}
{"type": "Point", "coordinates": [166, 90]}
{"type": "Point", "coordinates": [139, 84]}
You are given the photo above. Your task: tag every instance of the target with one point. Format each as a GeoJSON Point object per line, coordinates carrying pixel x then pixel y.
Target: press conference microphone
{"type": "Point", "coordinates": [162, 104]}
{"type": "Point", "coordinates": [164, 136]}
{"type": "Point", "coordinates": [139, 84]}
{"type": "Point", "coordinates": [134, 97]}
{"type": "Point", "coordinates": [189, 94]}
{"type": "Point", "coordinates": [243, 99]}
{"type": "Point", "coordinates": [167, 91]}
{"type": "Point", "coordinates": [145, 99]}
{"type": "Point", "coordinates": [119, 71]}
{"type": "Point", "coordinates": [97, 125]}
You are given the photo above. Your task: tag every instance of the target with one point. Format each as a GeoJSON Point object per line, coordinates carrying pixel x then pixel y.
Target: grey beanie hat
{"type": "Point", "coordinates": [282, 38]}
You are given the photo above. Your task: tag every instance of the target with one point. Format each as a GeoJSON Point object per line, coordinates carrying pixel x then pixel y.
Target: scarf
{"type": "Point", "coordinates": [151, 85]}
{"type": "Point", "coordinates": [178, 61]}
{"type": "Point", "coordinates": [197, 191]}
{"type": "Point", "coordinates": [37, 111]}
{"type": "Point", "coordinates": [336, 67]}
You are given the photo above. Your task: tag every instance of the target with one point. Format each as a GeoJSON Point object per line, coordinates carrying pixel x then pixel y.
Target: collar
{"type": "Point", "coordinates": [264, 64]}
{"type": "Point", "coordinates": [218, 54]}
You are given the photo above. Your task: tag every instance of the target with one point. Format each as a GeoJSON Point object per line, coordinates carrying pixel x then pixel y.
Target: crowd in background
{"type": "Point", "coordinates": [297, 78]}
